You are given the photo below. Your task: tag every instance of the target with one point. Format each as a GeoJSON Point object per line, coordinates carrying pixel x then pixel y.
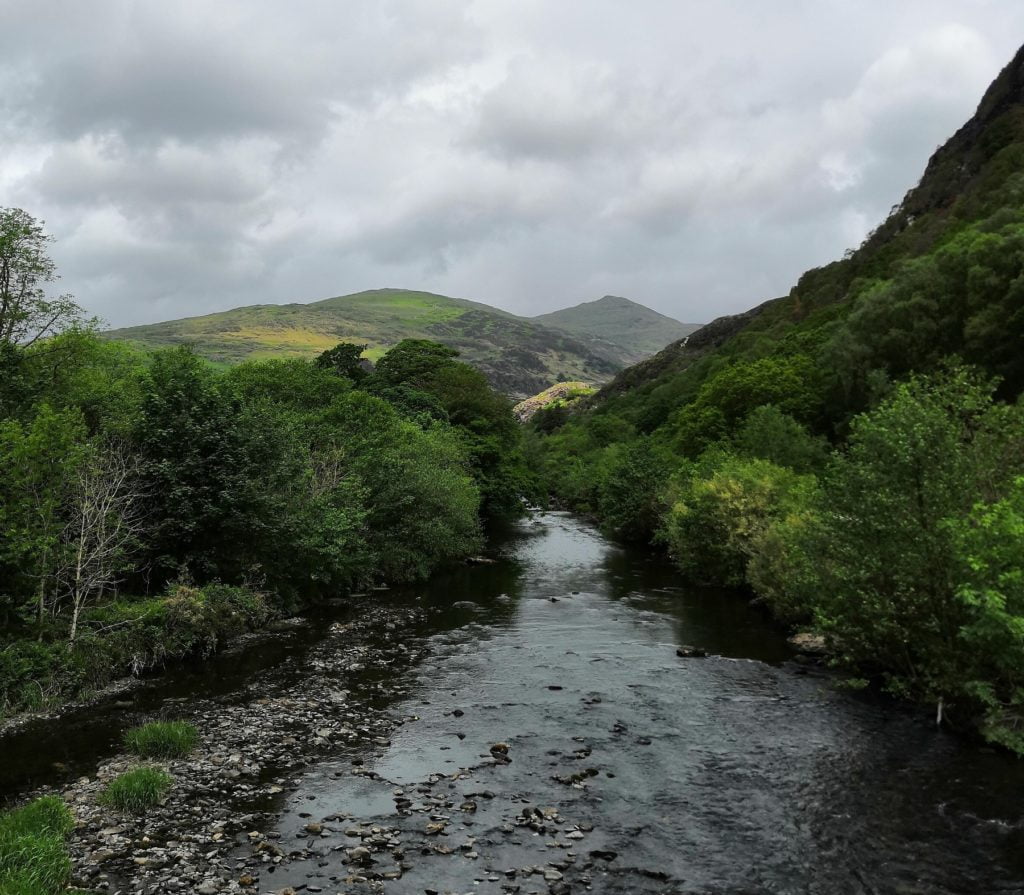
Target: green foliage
{"type": "Point", "coordinates": [421, 500]}
{"type": "Point", "coordinates": [126, 636]}
{"type": "Point", "coordinates": [481, 418]}
{"type": "Point", "coordinates": [27, 312]}
{"type": "Point", "coordinates": [719, 509]}
{"type": "Point", "coordinates": [162, 739]}
{"type": "Point", "coordinates": [344, 359]}
{"type": "Point", "coordinates": [886, 554]}
{"type": "Point", "coordinates": [40, 459]}
{"type": "Point", "coordinates": [989, 549]}
{"type": "Point", "coordinates": [135, 791]}
{"type": "Point", "coordinates": [769, 434]}
{"type": "Point", "coordinates": [33, 858]}
{"type": "Point", "coordinates": [787, 382]}
{"type": "Point", "coordinates": [631, 489]}
{"type": "Point", "coordinates": [206, 469]}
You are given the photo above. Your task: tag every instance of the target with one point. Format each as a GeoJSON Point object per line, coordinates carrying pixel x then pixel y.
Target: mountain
{"type": "Point", "coordinates": [852, 453]}
{"type": "Point", "coordinates": [622, 324]}
{"type": "Point", "coordinates": [937, 278]}
{"type": "Point", "coordinates": [520, 356]}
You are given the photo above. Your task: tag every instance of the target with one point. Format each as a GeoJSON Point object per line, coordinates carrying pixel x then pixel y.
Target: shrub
{"type": "Point", "coordinates": [33, 860]}
{"type": "Point", "coordinates": [162, 739]}
{"type": "Point", "coordinates": [137, 790]}
{"type": "Point", "coordinates": [721, 506]}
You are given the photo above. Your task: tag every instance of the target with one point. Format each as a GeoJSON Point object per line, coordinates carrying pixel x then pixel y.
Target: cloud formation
{"type": "Point", "coordinates": [696, 157]}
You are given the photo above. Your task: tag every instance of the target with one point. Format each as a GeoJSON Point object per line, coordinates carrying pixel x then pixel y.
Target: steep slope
{"type": "Point", "coordinates": [853, 453]}
{"type": "Point", "coordinates": [624, 325]}
{"type": "Point", "coordinates": [520, 356]}
{"type": "Point", "coordinates": [875, 303]}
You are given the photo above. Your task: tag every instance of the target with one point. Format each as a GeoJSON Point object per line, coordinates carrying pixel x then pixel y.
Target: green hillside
{"type": "Point", "coordinates": [852, 454]}
{"type": "Point", "coordinates": [621, 323]}
{"type": "Point", "coordinates": [520, 356]}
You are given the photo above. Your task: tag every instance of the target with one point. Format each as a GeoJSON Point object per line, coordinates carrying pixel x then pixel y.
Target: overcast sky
{"type": "Point", "coordinates": [695, 156]}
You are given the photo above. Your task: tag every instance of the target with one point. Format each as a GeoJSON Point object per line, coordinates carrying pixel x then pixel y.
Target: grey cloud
{"type": "Point", "coordinates": [697, 157]}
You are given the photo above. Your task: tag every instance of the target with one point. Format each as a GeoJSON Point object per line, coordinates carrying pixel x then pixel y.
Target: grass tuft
{"type": "Point", "coordinates": [33, 859]}
{"type": "Point", "coordinates": [137, 790]}
{"type": "Point", "coordinates": [162, 739]}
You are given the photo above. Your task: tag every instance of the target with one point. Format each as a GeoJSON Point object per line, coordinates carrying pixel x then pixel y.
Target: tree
{"type": "Point", "coordinates": [27, 314]}
{"type": "Point", "coordinates": [104, 524]}
{"type": "Point", "coordinates": [38, 459]}
{"type": "Point", "coordinates": [631, 492]}
{"type": "Point", "coordinates": [344, 359]}
{"type": "Point", "coordinates": [886, 544]}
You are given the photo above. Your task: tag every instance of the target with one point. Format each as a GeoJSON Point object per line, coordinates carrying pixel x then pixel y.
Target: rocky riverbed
{"type": "Point", "coordinates": [564, 720]}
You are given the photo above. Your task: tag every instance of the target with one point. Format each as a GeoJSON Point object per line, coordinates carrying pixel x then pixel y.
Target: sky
{"type": "Point", "coordinates": [694, 156]}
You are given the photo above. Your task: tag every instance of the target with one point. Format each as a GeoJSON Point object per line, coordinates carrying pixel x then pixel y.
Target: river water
{"type": "Point", "coordinates": [735, 773]}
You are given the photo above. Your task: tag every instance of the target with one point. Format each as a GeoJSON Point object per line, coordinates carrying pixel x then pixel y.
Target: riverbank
{"type": "Point", "coordinates": [529, 724]}
{"type": "Point", "coordinates": [118, 642]}
{"type": "Point", "coordinates": [249, 748]}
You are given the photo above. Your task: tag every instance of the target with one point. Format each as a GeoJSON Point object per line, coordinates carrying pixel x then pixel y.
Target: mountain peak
{"type": "Point", "coordinates": [621, 321]}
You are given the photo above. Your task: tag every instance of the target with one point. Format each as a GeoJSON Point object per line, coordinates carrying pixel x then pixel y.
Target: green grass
{"type": "Point", "coordinates": [519, 355]}
{"type": "Point", "coordinates": [162, 739]}
{"type": "Point", "coordinates": [137, 790]}
{"type": "Point", "coordinates": [33, 859]}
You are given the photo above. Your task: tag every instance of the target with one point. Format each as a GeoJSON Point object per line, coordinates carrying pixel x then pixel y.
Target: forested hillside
{"type": "Point", "coordinates": [152, 506]}
{"type": "Point", "coordinates": [853, 452]}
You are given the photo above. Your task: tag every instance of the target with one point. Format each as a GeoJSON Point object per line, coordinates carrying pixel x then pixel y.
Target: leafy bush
{"type": "Point", "coordinates": [33, 859]}
{"type": "Point", "coordinates": [989, 548]}
{"type": "Point", "coordinates": [162, 739]}
{"type": "Point", "coordinates": [135, 791]}
{"type": "Point", "coordinates": [720, 508]}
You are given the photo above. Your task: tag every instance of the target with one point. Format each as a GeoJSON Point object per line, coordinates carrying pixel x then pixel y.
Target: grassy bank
{"type": "Point", "coordinates": [126, 637]}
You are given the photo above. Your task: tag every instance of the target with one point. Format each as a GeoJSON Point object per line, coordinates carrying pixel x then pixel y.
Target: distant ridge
{"type": "Point", "coordinates": [521, 356]}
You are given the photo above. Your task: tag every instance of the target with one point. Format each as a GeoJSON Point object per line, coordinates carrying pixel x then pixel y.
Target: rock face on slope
{"type": "Point", "coordinates": [561, 394]}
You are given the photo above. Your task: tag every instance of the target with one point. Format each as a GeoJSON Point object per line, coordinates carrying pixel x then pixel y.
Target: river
{"type": "Point", "coordinates": [627, 769]}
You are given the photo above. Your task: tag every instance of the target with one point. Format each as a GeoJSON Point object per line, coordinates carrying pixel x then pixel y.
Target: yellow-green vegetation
{"type": "Point", "coordinates": [162, 739]}
{"type": "Point", "coordinates": [33, 855]}
{"type": "Point", "coordinates": [853, 454]}
{"type": "Point", "coordinates": [136, 790]}
{"type": "Point", "coordinates": [519, 355]}
{"type": "Point", "coordinates": [560, 395]}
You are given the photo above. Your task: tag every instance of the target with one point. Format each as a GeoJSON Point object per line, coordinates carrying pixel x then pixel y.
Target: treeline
{"type": "Point", "coordinates": [857, 465]}
{"type": "Point", "coordinates": [151, 505]}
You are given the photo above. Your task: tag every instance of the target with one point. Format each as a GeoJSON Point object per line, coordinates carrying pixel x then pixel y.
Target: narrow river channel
{"type": "Point", "coordinates": [627, 769]}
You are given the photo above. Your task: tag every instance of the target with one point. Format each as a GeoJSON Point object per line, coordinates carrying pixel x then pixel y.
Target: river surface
{"type": "Point", "coordinates": [736, 773]}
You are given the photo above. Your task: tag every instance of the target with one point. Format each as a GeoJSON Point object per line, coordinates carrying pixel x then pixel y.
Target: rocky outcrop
{"type": "Point", "coordinates": [561, 393]}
